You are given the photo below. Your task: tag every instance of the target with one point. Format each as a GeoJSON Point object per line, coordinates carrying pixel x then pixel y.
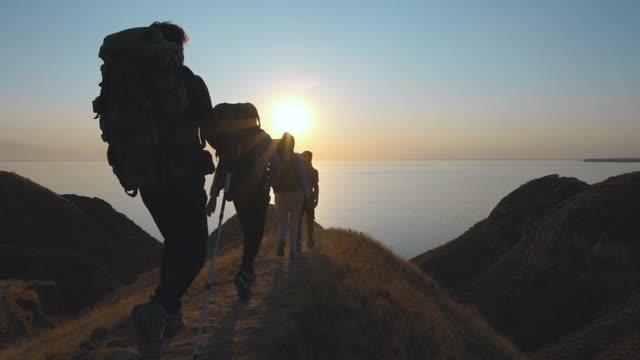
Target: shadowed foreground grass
{"type": "Point", "coordinates": [62, 341]}
{"type": "Point", "coordinates": [68, 336]}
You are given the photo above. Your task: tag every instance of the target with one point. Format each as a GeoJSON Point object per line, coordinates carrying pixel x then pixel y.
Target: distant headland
{"type": "Point", "coordinates": [619, 160]}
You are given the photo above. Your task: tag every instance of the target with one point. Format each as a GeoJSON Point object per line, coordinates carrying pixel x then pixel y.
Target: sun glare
{"type": "Point", "coordinates": [291, 116]}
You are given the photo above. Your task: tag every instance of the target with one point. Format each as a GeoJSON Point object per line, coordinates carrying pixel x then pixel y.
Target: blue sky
{"type": "Point", "coordinates": [383, 80]}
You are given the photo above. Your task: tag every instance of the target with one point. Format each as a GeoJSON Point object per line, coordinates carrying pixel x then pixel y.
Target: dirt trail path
{"type": "Point", "coordinates": [232, 325]}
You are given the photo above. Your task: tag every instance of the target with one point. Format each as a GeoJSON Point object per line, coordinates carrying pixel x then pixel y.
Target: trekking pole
{"type": "Point", "coordinates": [203, 315]}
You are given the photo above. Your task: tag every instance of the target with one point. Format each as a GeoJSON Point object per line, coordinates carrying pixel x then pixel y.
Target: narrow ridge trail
{"type": "Point", "coordinates": [233, 326]}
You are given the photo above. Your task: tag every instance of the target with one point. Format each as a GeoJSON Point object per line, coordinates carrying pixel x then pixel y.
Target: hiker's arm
{"type": "Point", "coordinates": [217, 185]}
{"type": "Point", "coordinates": [304, 179]}
{"type": "Point", "coordinates": [201, 109]}
{"type": "Point", "coordinates": [274, 163]}
{"type": "Point", "coordinates": [218, 179]}
{"type": "Point", "coordinates": [316, 194]}
{"type": "Point", "coordinates": [264, 154]}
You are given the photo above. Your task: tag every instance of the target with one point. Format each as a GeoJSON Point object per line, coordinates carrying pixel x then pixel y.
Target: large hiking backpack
{"type": "Point", "coordinates": [141, 103]}
{"type": "Point", "coordinates": [244, 148]}
{"type": "Point", "coordinates": [231, 123]}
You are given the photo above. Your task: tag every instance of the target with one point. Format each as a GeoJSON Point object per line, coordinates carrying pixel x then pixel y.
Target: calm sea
{"type": "Point", "coordinates": [411, 206]}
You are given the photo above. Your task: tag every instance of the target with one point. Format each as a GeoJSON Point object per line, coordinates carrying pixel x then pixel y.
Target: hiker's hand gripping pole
{"type": "Point", "coordinates": [207, 290]}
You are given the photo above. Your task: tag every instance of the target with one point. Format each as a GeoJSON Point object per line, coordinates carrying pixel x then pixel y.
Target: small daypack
{"type": "Point", "coordinates": [243, 146]}
{"type": "Point", "coordinates": [287, 179]}
{"type": "Point", "coordinates": [142, 101]}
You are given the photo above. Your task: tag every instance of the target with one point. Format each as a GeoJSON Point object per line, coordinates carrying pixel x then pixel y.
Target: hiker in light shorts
{"type": "Point", "coordinates": [291, 188]}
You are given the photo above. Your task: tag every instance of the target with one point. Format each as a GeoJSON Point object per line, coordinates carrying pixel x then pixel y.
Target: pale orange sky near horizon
{"type": "Point", "coordinates": [381, 80]}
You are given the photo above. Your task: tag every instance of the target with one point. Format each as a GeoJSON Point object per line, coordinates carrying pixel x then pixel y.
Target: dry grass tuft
{"type": "Point", "coordinates": [69, 336]}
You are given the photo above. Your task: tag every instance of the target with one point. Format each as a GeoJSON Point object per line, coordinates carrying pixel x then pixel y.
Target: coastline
{"type": "Point", "coordinates": [614, 160]}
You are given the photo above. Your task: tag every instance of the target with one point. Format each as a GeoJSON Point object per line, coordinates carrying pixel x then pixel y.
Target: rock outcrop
{"type": "Point", "coordinates": [24, 305]}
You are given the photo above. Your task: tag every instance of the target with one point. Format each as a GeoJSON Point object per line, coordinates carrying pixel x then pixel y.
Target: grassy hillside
{"type": "Point", "coordinates": [363, 302]}
{"type": "Point", "coordinates": [352, 299]}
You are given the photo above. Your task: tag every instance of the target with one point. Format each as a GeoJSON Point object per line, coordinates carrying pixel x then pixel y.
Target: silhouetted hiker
{"type": "Point", "coordinates": [247, 152]}
{"type": "Point", "coordinates": [151, 107]}
{"type": "Point", "coordinates": [291, 188]}
{"type": "Point", "coordinates": [309, 208]}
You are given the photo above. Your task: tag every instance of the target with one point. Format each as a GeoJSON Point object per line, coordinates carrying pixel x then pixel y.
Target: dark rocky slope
{"type": "Point", "coordinates": [82, 246]}
{"type": "Point", "coordinates": [554, 266]}
{"type": "Point", "coordinates": [133, 249]}
{"type": "Point", "coordinates": [489, 239]}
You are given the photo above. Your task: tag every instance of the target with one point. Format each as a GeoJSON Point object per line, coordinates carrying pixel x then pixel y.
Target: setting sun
{"type": "Point", "coordinates": [291, 116]}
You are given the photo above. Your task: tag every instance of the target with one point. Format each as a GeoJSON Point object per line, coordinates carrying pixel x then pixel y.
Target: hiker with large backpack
{"type": "Point", "coordinates": [151, 107]}
{"type": "Point", "coordinates": [247, 154]}
{"type": "Point", "coordinates": [291, 188]}
{"type": "Point", "coordinates": [309, 208]}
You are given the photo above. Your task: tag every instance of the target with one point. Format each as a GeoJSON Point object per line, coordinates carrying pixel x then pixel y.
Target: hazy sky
{"type": "Point", "coordinates": [383, 80]}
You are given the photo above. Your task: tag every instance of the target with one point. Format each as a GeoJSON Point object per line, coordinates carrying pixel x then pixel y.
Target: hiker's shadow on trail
{"type": "Point", "coordinates": [251, 314]}
{"type": "Point", "coordinates": [220, 345]}
{"type": "Point", "coordinates": [274, 305]}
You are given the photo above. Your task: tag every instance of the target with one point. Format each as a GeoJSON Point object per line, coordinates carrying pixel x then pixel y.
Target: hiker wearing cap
{"type": "Point", "coordinates": [308, 208]}
{"type": "Point", "coordinates": [291, 188]}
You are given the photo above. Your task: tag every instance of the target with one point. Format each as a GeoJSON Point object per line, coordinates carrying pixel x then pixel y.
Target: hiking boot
{"type": "Point", "coordinates": [280, 251]}
{"type": "Point", "coordinates": [173, 324]}
{"type": "Point", "coordinates": [244, 284]}
{"type": "Point", "coordinates": [149, 321]}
